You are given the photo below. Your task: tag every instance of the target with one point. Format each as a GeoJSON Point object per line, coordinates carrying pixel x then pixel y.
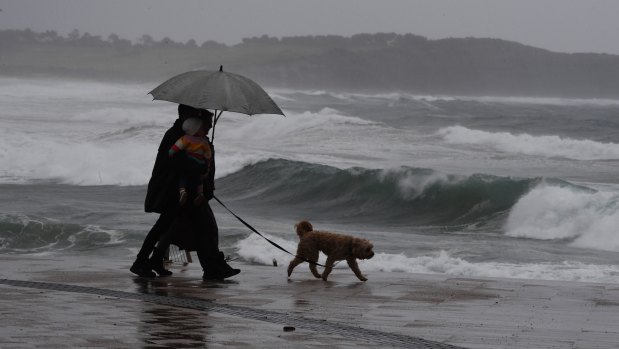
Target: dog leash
{"type": "Point", "coordinates": [264, 237]}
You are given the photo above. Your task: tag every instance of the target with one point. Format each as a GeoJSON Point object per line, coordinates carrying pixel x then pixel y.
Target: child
{"type": "Point", "coordinates": [198, 151]}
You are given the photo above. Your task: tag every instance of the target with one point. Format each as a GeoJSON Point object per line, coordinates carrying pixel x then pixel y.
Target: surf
{"type": "Point", "coordinates": [541, 145]}
{"type": "Point", "coordinates": [398, 196]}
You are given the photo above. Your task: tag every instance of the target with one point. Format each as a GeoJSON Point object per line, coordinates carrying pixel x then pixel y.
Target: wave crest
{"type": "Point", "coordinates": [396, 196]}
{"type": "Point", "coordinates": [589, 219]}
{"type": "Point", "coordinates": [28, 234]}
{"type": "Point", "coordinates": [547, 146]}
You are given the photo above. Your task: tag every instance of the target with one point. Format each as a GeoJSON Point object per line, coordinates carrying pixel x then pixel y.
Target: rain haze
{"type": "Point", "coordinates": [470, 147]}
{"type": "Point", "coordinates": [557, 25]}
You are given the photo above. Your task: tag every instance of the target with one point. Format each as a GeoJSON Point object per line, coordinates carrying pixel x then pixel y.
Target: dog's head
{"type": "Point", "coordinates": [303, 227]}
{"type": "Point", "coordinates": [362, 249]}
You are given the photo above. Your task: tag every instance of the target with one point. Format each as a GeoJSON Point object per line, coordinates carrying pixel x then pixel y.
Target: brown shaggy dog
{"type": "Point", "coordinates": [337, 247]}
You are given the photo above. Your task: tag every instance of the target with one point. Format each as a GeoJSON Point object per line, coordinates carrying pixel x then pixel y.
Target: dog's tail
{"type": "Point", "coordinates": [303, 227]}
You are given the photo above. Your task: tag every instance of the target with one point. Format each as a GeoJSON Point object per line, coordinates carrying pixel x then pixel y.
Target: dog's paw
{"type": "Point", "coordinates": [363, 278]}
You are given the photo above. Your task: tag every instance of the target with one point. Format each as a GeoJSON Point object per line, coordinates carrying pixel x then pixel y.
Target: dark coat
{"type": "Point", "coordinates": [162, 194]}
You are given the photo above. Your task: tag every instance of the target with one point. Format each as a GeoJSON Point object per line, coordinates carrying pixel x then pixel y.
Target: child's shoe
{"type": "Point", "coordinates": [182, 198]}
{"type": "Point", "coordinates": [199, 199]}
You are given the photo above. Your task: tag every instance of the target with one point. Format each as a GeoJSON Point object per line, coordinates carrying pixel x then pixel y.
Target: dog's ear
{"type": "Point", "coordinates": [303, 227]}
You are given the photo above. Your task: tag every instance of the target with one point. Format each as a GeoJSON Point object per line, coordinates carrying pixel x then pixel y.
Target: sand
{"type": "Point", "coordinates": [52, 302]}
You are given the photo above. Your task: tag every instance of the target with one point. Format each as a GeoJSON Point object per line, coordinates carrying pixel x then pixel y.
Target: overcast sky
{"type": "Point", "coordinates": [558, 25]}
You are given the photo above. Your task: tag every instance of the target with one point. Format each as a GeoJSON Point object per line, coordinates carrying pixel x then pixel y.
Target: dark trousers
{"type": "Point", "coordinates": [163, 224]}
{"type": "Point", "coordinates": [193, 228]}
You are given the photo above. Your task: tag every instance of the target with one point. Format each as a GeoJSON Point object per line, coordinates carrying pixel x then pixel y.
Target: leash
{"type": "Point", "coordinates": [264, 237]}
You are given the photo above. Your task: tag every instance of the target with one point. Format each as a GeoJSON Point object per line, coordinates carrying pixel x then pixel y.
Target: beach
{"type": "Point", "coordinates": [63, 303]}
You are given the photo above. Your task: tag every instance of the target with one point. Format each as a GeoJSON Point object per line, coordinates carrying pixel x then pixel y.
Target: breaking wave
{"type": "Point", "coordinates": [547, 146]}
{"type": "Point", "coordinates": [399, 96]}
{"type": "Point", "coordinates": [28, 234]}
{"type": "Point", "coordinates": [585, 218]}
{"type": "Point", "coordinates": [397, 196]}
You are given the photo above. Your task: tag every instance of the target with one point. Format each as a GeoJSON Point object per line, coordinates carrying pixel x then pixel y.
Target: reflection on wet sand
{"type": "Point", "coordinates": [164, 326]}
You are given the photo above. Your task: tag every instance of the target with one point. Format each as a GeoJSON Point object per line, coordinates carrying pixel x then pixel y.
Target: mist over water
{"type": "Point", "coordinates": [507, 187]}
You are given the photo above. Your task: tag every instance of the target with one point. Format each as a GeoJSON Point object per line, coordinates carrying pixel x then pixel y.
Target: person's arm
{"type": "Point", "coordinates": [177, 147]}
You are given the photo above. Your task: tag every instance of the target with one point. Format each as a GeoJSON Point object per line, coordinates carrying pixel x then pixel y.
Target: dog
{"type": "Point", "coordinates": [337, 247]}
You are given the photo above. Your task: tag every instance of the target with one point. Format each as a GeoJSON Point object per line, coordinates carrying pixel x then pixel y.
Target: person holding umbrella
{"type": "Point", "coordinates": [174, 222]}
{"type": "Point", "coordinates": [196, 92]}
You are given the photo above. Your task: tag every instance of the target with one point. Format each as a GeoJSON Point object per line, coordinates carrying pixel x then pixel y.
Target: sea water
{"type": "Point", "coordinates": [466, 186]}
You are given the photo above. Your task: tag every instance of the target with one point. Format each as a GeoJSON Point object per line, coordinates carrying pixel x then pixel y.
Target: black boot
{"type": "Point", "coordinates": [142, 268]}
{"type": "Point", "coordinates": [218, 269]}
{"type": "Point", "coordinates": [156, 262]}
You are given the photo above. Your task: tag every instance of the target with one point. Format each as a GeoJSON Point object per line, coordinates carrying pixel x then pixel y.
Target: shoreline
{"type": "Point", "coordinates": [389, 310]}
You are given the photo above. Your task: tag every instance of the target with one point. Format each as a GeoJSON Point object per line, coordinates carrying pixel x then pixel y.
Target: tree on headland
{"type": "Point", "coordinates": [363, 61]}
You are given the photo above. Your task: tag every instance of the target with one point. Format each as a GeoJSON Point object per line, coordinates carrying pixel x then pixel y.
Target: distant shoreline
{"type": "Point", "coordinates": [363, 62]}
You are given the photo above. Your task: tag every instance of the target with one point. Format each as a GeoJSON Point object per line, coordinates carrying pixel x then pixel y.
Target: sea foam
{"type": "Point", "coordinates": [256, 250]}
{"type": "Point", "coordinates": [546, 146]}
{"type": "Point", "coordinates": [588, 219]}
{"type": "Point", "coordinates": [108, 134]}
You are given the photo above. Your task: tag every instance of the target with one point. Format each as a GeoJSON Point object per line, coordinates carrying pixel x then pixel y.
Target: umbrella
{"type": "Point", "coordinates": [217, 90]}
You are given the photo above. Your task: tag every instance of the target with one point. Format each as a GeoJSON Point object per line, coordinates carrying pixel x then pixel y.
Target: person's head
{"type": "Point", "coordinates": [194, 126]}
{"type": "Point", "coordinates": [185, 112]}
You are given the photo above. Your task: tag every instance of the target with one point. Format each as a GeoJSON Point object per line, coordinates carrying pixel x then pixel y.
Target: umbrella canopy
{"type": "Point", "coordinates": [217, 90]}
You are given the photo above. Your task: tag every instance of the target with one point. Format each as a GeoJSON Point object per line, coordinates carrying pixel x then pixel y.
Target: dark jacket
{"type": "Point", "coordinates": [162, 194]}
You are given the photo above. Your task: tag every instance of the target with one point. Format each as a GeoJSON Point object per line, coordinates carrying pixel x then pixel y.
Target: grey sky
{"type": "Point", "coordinates": [558, 25]}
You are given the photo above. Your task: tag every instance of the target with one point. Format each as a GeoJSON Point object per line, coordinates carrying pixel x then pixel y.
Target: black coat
{"type": "Point", "coordinates": [162, 194]}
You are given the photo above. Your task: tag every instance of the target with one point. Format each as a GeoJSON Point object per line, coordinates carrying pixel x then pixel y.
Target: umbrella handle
{"type": "Point", "coordinates": [215, 123]}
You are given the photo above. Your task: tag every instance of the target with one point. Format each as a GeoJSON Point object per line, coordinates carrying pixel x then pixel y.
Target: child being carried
{"type": "Point", "coordinates": [199, 154]}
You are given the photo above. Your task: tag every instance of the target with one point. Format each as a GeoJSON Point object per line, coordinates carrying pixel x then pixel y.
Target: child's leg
{"type": "Point", "coordinates": [182, 182]}
{"type": "Point", "coordinates": [199, 192]}
{"type": "Point", "coordinates": [182, 189]}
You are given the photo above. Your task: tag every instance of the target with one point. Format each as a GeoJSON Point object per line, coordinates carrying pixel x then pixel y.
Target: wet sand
{"type": "Point", "coordinates": [51, 302]}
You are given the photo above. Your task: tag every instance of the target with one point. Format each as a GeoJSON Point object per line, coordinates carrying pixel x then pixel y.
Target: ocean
{"type": "Point", "coordinates": [510, 187]}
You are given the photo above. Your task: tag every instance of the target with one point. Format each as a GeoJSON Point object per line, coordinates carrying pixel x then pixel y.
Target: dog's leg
{"type": "Point", "coordinates": [314, 270]}
{"type": "Point", "coordinates": [352, 263]}
{"type": "Point", "coordinates": [314, 258]}
{"type": "Point", "coordinates": [328, 268]}
{"type": "Point", "coordinates": [293, 263]}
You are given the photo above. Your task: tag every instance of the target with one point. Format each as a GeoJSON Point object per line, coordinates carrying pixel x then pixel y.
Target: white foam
{"type": "Point", "coordinates": [556, 101]}
{"type": "Point", "coordinates": [71, 90]}
{"type": "Point", "coordinates": [547, 146]}
{"type": "Point", "coordinates": [413, 184]}
{"type": "Point", "coordinates": [255, 250]}
{"type": "Point", "coordinates": [86, 133]}
{"type": "Point", "coordinates": [590, 219]}
{"type": "Point", "coordinates": [75, 161]}
{"type": "Point", "coordinates": [52, 236]}
{"type": "Point", "coordinates": [443, 263]}
{"type": "Point", "coordinates": [396, 96]}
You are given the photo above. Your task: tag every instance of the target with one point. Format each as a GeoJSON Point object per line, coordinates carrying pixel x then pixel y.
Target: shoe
{"type": "Point", "coordinates": [220, 274]}
{"type": "Point", "coordinates": [160, 269]}
{"type": "Point", "coordinates": [182, 198]}
{"type": "Point", "coordinates": [221, 270]}
{"type": "Point", "coordinates": [142, 269]}
{"type": "Point", "coordinates": [156, 263]}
